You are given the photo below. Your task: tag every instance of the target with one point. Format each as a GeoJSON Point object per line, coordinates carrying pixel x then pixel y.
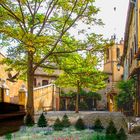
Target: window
{"type": "Point", "coordinates": [118, 53]}
{"type": "Point", "coordinates": [44, 82]}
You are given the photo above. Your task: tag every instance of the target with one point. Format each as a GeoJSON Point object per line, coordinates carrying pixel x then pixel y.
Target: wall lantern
{"type": "Point", "coordinates": [118, 66]}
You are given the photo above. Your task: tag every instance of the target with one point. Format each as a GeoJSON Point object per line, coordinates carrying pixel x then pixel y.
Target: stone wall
{"type": "Point", "coordinates": [46, 98]}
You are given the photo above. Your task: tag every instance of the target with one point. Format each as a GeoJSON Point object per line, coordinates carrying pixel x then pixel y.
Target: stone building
{"type": "Point", "coordinates": [131, 53]}
{"type": "Point", "coordinates": [115, 74]}
{"type": "Point", "coordinates": [46, 94]}
{"type": "Point", "coordinates": [8, 90]}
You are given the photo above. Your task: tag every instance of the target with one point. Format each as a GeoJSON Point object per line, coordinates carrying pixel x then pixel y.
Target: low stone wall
{"type": "Point", "coordinates": [89, 117]}
{"type": "Point", "coordinates": [119, 119]}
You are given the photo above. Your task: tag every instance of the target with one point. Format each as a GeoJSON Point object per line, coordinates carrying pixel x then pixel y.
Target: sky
{"type": "Point", "coordinates": [114, 20]}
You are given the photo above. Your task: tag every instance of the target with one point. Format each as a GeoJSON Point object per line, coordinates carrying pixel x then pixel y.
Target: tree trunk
{"type": "Point", "coordinates": [77, 98]}
{"type": "Point", "coordinates": [30, 79]}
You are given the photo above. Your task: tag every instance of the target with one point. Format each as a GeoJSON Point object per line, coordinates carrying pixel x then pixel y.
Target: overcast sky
{"type": "Point", "coordinates": [114, 20]}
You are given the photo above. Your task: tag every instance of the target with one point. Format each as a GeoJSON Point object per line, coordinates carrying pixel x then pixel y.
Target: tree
{"type": "Point", "coordinates": [124, 100]}
{"type": "Point", "coordinates": [80, 124]}
{"type": "Point", "coordinates": [58, 125]}
{"type": "Point", "coordinates": [29, 120]}
{"type": "Point", "coordinates": [98, 125]}
{"type": "Point", "coordinates": [111, 129]}
{"type": "Point", "coordinates": [42, 122]}
{"type": "Point", "coordinates": [121, 134]}
{"type": "Point", "coordinates": [65, 121]}
{"type": "Point", "coordinates": [81, 72]}
{"type": "Point", "coordinates": [37, 32]}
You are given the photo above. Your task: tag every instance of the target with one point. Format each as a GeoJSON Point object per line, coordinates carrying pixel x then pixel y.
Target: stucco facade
{"type": "Point", "coordinates": [11, 89]}
{"type": "Point", "coordinates": [46, 95]}
{"type": "Point", "coordinates": [131, 54]}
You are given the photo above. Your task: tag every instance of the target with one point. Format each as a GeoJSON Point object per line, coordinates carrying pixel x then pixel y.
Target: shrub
{"type": "Point", "coordinates": [121, 135]}
{"type": "Point", "coordinates": [111, 137]}
{"type": "Point", "coordinates": [29, 120]}
{"type": "Point", "coordinates": [111, 131]}
{"type": "Point", "coordinates": [8, 136]}
{"type": "Point", "coordinates": [42, 122]}
{"type": "Point", "coordinates": [65, 121]}
{"type": "Point", "coordinates": [98, 125]}
{"type": "Point", "coordinates": [58, 125]}
{"type": "Point", "coordinates": [83, 106]}
{"type": "Point", "coordinates": [80, 124]}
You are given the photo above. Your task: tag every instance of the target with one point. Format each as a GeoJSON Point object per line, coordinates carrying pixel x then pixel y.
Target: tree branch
{"type": "Point", "coordinates": [64, 52]}
{"type": "Point", "coordinates": [23, 18]}
{"type": "Point", "coordinates": [29, 8]}
{"type": "Point", "coordinates": [10, 12]}
{"type": "Point", "coordinates": [69, 16]}
{"type": "Point", "coordinates": [48, 12]}
{"type": "Point", "coordinates": [59, 38]}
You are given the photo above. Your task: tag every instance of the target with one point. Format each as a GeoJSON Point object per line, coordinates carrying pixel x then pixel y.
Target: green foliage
{"type": "Point", "coordinates": [83, 106]}
{"type": "Point", "coordinates": [94, 95]}
{"type": "Point", "coordinates": [42, 122]}
{"type": "Point", "coordinates": [29, 120]}
{"type": "Point", "coordinates": [121, 135]}
{"type": "Point", "coordinates": [82, 92]}
{"type": "Point", "coordinates": [32, 32]}
{"type": "Point", "coordinates": [111, 129]}
{"type": "Point", "coordinates": [35, 35]}
{"type": "Point", "coordinates": [72, 106]}
{"type": "Point", "coordinates": [111, 137]}
{"type": "Point", "coordinates": [124, 100]}
{"type": "Point", "coordinates": [80, 124]}
{"type": "Point", "coordinates": [81, 72]}
{"type": "Point", "coordinates": [94, 136]}
{"type": "Point", "coordinates": [8, 136]}
{"type": "Point", "coordinates": [68, 94]}
{"type": "Point", "coordinates": [58, 126]}
{"type": "Point", "coordinates": [98, 125]}
{"type": "Point", "coordinates": [65, 121]}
